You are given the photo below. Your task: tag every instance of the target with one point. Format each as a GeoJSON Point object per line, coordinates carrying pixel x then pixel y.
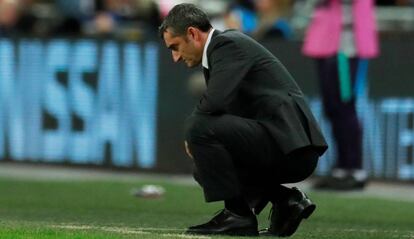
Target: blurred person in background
{"type": "Point", "coordinates": [38, 17]}
{"type": "Point", "coordinates": [20, 17]}
{"type": "Point", "coordinates": [272, 15]}
{"type": "Point", "coordinates": [9, 17]}
{"type": "Point", "coordinates": [241, 16]}
{"type": "Point", "coordinates": [341, 37]}
{"type": "Point", "coordinates": [17, 17]}
{"type": "Point", "coordinates": [251, 131]}
{"type": "Point", "coordinates": [106, 18]}
{"type": "Point", "coordinates": [72, 15]}
{"type": "Point", "coordinates": [127, 19]}
{"type": "Point", "coordinates": [260, 18]}
{"type": "Point", "coordinates": [147, 11]}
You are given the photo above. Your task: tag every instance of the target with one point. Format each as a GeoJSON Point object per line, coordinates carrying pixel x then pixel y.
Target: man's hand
{"type": "Point", "coordinates": [187, 150]}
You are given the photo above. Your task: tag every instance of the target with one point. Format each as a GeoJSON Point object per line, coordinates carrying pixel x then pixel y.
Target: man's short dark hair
{"type": "Point", "coordinates": [183, 16]}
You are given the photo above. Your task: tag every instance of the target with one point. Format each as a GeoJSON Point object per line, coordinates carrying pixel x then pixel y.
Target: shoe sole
{"type": "Point", "coordinates": [243, 232]}
{"type": "Point", "coordinates": [301, 211]}
{"type": "Point", "coordinates": [233, 232]}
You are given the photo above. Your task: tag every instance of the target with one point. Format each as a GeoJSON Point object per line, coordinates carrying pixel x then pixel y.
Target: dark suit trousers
{"type": "Point", "coordinates": [346, 128]}
{"type": "Point", "coordinates": [235, 157]}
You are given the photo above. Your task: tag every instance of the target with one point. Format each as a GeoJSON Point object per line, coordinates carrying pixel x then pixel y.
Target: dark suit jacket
{"type": "Point", "coordinates": [246, 80]}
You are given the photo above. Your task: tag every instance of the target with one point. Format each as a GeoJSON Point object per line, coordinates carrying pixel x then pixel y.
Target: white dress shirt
{"type": "Point", "coordinates": [204, 60]}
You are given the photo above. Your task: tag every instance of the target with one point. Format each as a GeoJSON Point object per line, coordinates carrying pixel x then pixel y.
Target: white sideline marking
{"type": "Point", "coordinates": [402, 233]}
{"type": "Point", "coordinates": [122, 230]}
{"type": "Point", "coordinates": [128, 230]}
{"type": "Point", "coordinates": [150, 230]}
{"type": "Point", "coordinates": [169, 235]}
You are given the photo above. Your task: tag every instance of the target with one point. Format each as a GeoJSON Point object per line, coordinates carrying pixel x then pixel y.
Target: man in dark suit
{"type": "Point", "coordinates": [251, 132]}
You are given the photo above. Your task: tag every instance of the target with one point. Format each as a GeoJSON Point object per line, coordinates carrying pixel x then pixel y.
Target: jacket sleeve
{"type": "Point", "coordinates": [229, 64]}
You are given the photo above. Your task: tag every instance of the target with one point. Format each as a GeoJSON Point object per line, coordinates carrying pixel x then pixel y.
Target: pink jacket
{"type": "Point", "coordinates": [322, 37]}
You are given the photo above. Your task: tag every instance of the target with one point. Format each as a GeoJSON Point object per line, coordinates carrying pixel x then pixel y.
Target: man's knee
{"type": "Point", "coordinates": [198, 127]}
{"type": "Point", "coordinates": [208, 127]}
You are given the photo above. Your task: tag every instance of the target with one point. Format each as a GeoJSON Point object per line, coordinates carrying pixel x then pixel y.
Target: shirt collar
{"type": "Point", "coordinates": [204, 60]}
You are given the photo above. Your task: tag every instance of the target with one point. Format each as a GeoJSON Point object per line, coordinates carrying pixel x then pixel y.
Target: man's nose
{"type": "Point", "coordinates": [176, 56]}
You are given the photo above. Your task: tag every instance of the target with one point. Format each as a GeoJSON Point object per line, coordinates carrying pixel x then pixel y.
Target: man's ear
{"type": "Point", "coordinates": [193, 33]}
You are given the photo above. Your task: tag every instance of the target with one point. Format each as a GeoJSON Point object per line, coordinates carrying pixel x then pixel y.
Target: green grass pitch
{"type": "Point", "coordinates": [106, 209]}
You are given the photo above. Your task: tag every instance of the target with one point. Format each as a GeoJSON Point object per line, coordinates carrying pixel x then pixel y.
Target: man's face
{"type": "Point", "coordinates": [187, 48]}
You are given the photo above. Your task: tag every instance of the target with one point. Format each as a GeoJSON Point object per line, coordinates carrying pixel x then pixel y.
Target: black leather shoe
{"type": "Point", "coordinates": [285, 219]}
{"type": "Point", "coordinates": [227, 223]}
